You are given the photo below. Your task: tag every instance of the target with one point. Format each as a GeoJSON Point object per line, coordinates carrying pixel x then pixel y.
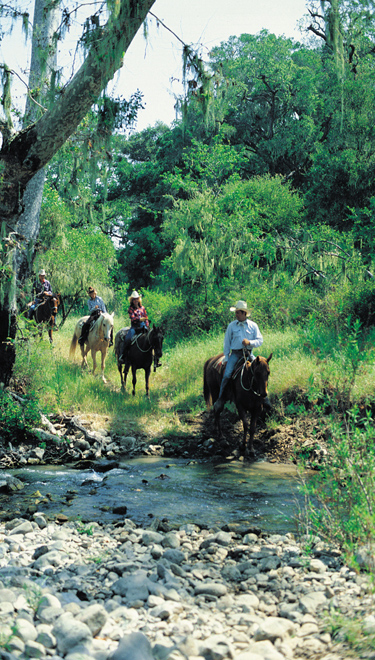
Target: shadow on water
{"type": "Point", "coordinates": [261, 494]}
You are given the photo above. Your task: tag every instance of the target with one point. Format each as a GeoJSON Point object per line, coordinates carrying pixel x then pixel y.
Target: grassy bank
{"type": "Point", "coordinates": [59, 384]}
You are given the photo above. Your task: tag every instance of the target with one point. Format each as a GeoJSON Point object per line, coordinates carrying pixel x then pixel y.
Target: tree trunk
{"type": "Point", "coordinates": [32, 148]}
{"type": "Point", "coordinates": [43, 62]}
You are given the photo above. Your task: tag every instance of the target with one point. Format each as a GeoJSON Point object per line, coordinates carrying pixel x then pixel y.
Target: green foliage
{"type": "Point", "coordinates": [344, 486]}
{"type": "Point", "coordinates": [17, 419]}
{"type": "Point", "coordinates": [80, 259]}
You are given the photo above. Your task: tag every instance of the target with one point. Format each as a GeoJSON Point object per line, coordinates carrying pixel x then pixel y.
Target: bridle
{"type": "Point", "coordinates": [150, 346]}
{"type": "Point", "coordinates": [250, 388]}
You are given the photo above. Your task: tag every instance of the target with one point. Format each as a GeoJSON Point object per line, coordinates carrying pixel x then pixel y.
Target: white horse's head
{"type": "Point", "coordinates": [107, 325]}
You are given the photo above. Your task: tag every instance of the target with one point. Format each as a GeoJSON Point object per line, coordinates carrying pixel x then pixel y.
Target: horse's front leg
{"type": "Point", "coordinates": [104, 354]}
{"type": "Point", "coordinates": [93, 355]}
{"type": "Point", "coordinates": [244, 449]}
{"type": "Point", "coordinates": [50, 335]}
{"type": "Point", "coordinates": [134, 372]}
{"type": "Point", "coordinates": [147, 378]}
{"type": "Point", "coordinates": [119, 367]}
{"type": "Point", "coordinates": [218, 430]}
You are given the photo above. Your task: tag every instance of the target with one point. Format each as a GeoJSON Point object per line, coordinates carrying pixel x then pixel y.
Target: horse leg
{"type": "Point", "coordinates": [218, 424]}
{"type": "Point", "coordinates": [134, 372]}
{"type": "Point", "coordinates": [244, 449]}
{"type": "Point", "coordinates": [104, 352]}
{"type": "Point", "coordinates": [50, 335]}
{"type": "Point", "coordinates": [147, 378]}
{"type": "Point", "coordinates": [119, 367]}
{"type": "Point", "coordinates": [84, 351]}
{"type": "Point", "coordinates": [93, 355]}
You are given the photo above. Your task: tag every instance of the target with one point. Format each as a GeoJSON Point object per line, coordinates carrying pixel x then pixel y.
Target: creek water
{"type": "Point", "coordinates": [260, 494]}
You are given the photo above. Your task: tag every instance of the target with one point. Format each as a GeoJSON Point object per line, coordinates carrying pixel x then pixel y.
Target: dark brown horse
{"type": "Point", "coordinates": [144, 349]}
{"type": "Point", "coordinates": [46, 312]}
{"type": "Point", "coordinates": [247, 390]}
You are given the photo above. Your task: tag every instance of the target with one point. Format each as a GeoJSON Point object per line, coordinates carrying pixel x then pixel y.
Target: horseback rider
{"type": "Point", "coordinates": [241, 334]}
{"type": "Point", "coordinates": [41, 289]}
{"type": "Point", "coordinates": [96, 306]}
{"type": "Point", "coordinates": [139, 323]}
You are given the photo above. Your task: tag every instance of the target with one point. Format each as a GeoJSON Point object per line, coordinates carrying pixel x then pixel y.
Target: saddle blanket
{"type": "Point", "coordinates": [218, 365]}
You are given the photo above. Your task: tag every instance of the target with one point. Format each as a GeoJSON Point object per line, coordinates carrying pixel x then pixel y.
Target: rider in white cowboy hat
{"type": "Point", "coordinates": [41, 288]}
{"type": "Point", "coordinates": [241, 333]}
{"type": "Point", "coordinates": [139, 322]}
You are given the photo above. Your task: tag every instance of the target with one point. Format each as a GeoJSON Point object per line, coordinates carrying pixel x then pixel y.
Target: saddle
{"type": "Point", "coordinates": [220, 368]}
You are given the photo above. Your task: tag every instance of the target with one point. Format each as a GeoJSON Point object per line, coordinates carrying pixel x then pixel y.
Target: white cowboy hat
{"type": "Point", "coordinates": [42, 272]}
{"type": "Point", "coordinates": [240, 304]}
{"type": "Point", "coordinates": [135, 294]}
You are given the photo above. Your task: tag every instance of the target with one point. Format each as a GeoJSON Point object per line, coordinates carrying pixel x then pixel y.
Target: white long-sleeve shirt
{"type": "Point", "coordinates": [239, 330]}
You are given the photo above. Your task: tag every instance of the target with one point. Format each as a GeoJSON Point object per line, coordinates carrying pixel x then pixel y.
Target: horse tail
{"type": "Point", "coordinates": [73, 345]}
{"type": "Point", "coordinates": [206, 388]}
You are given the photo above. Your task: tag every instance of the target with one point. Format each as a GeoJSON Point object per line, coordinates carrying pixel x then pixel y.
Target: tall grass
{"type": "Point", "coordinates": [176, 389]}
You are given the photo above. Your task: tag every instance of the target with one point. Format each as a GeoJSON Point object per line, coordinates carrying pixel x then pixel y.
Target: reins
{"type": "Point", "coordinates": [138, 346]}
{"type": "Point", "coordinates": [250, 388]}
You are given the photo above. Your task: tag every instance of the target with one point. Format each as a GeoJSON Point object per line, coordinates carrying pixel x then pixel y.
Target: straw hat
{"type": "Point", "coordinates": [42, 272]}
{"type": "Point", "coordinates": [242, 305]}
{"type": "Point", "coordinates": [135, 294]}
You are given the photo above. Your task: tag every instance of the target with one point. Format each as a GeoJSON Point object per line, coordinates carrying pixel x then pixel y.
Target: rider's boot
{"type": "Point", "coordinates": [219, 405]}
{"type": "Point", "coordinates": [124, 357]}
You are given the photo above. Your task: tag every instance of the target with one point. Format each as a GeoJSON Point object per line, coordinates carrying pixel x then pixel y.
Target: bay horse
{"type": "Point", "coordinates": [46, 312]}
{"type": "Point", "coordinates": [247, 389]}
{"type": "Point", "coordinates": [98, 340]}
{"type": "Point", "coordinates": [145, 348]}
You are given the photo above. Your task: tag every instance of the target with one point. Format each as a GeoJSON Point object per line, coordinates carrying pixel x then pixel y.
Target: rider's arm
{"type": "Point", "coordinates": [255, 336]}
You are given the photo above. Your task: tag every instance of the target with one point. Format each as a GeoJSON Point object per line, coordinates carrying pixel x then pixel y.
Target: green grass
{"type": "Point", "coordinates": [60, 385]}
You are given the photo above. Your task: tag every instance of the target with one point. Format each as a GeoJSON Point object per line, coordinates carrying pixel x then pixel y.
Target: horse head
{"type": "Point", "coordinates": [54, 302]}
{"type": "Point", "coordinates": [257, 374]}
{"type": "Point", "coordinates": [156, 341]}
{"type": "Point", "coordinates": [106, 325]}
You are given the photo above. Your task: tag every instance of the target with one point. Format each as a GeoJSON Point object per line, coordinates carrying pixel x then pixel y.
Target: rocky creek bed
{"type": "Point", "coordinates": [130, 593]}
{"type": "Point", "coordinates": [96, 591]}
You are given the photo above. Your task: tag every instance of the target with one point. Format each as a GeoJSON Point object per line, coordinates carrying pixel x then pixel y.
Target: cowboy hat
{"type": "Point", "coordinates": [135, 294]}
{"type": "Point", "coordinates": [42, 272]}
{"type": "Point", "coordinates": [241, 305]}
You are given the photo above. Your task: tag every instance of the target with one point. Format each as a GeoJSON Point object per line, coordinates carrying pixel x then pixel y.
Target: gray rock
{"type": "Point", "coordinates": [133, 647]}
{"type": "Point", "coordinates": [69, 632]}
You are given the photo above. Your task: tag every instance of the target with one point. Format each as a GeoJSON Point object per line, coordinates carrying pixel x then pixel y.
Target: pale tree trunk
{"type": "Point", "coordinates": [32, 148]}
{"type": "Point", "coordinates": [43, 62]}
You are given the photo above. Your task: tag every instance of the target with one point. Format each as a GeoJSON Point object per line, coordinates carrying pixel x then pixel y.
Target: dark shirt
{"type": "Point", "coordinates": [42, 287]}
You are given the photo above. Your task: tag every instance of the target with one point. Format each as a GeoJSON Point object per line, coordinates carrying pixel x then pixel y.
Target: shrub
{"type": "Point", "coordinates": [17, 419]}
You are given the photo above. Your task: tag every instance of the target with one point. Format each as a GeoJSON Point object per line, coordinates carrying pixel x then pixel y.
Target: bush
{"type": "Point", "coordinates": [17, 419]}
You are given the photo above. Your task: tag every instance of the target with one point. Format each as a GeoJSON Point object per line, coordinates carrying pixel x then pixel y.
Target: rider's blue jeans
{"type": "Point", "coordinates": [229, 368]}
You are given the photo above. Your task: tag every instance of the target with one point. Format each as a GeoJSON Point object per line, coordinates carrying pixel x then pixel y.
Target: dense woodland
{"type": "Point", "coordinates": [263, 188]}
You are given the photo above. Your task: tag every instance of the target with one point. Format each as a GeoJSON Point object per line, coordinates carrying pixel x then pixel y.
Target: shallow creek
{"type": "Point", "coordinates": [261, 494]}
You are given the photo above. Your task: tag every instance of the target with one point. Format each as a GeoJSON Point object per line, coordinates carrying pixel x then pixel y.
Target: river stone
{"type": "Point", "coordinates": [94, 617]}
{"type": "Point", "coordinates": [51, 558]}
{"type": "Point", "coordinates": [7, 595]}
{"type": "Point", "coordinates": [174, 556]}
{"type": "Point", "coordinates": [23, 528]}
{"type": "Point", "coordinates": [265, 650]}
{"type": "Point", "coordinates": [25, 630]}
{"type": "Point", "coordinates": [274, 627]}
{"type": "Point", "coordinates": [34, 650]}
{"type": "Point", "coordinates": [69, 632]}
{"type": "Point", "coordinates": [151, 538]}
{"type": "Point", "coordinates": [48, 600]}
{"type": "Point", "coordinates": [133, 647]}
{"type": "Point", "coordinates": [310, 602]}
{"type": "Point", "coordinates": [247, 602]}
{"type": "Point", "coordinates": [211, 588]}
{"type": "Point", "coordinates": [171, 540]}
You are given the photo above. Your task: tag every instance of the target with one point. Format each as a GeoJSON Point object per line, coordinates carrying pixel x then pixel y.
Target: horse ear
{"type": "Point", "coordinates": [269, 357]}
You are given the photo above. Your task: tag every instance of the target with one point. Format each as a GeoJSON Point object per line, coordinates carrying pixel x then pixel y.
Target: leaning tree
{"type": "Point", "coordinates": [24, 153]}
